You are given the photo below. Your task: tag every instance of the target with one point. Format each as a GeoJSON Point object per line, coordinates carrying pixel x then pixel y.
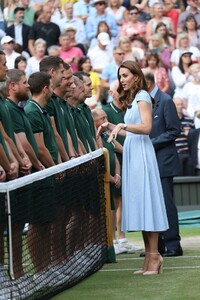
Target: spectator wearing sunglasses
{"type": "Point", "coordinates": [7, 43]}
{"type": "Point", "coordinates": [133, 27]}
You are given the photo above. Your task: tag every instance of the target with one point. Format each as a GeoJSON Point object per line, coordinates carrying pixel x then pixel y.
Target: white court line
{"type": "Point", "coordinates": [177, 257]}
{"type": "Point", "coordinates": [137, 258]}
{"type": "Point", "coordinates": [165, 268]}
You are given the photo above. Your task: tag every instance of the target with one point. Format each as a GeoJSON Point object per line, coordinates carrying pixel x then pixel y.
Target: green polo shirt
{"type": "Point", "coordinates": [55, 110]}
{"type": "Point", "coordinates": [6, 120]}
{"type": "Point", "coordinates": [2, 142]}
{"type": "Point", "coordinates": [83, 129]}
{"type": "Point", "coordinates": [115, 116]}
{"type": "Point", "coordinates": [21, 123]}
{"type": "Point", "coordinates": [40, 122]}
{"type": "Point", "coordinates": [69, 122]}
{"type": "Point", "coordinates": [87, 113]}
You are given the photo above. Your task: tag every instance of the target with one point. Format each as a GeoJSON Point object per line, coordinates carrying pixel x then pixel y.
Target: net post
{"type": "Point", "coordinates": [111, 251]}
{"type": "Point", "coordinates": [11, 270]}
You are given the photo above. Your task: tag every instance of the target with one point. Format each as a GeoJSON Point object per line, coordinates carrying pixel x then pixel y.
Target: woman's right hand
{"type": "Point", "coordinates": [115, 131]}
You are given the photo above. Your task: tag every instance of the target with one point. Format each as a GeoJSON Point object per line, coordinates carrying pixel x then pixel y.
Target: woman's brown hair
{"type": "Point", "coordinates": [126, 97]}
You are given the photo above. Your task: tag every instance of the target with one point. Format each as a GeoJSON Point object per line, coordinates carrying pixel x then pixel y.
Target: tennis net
{"type": "Point", "coordinates": [52, 228]}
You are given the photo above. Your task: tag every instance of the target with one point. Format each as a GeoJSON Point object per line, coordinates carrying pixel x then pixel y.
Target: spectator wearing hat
{"type": "Point", "coordinates": [68, 53]}
{"type": "Point", "coordinates": [76, 23]}
{"type": "Point", "coordinates": [7, 43]}
{"type": "Point", "coordinates": [100, 56]}
{"type": "Point", "coordinates": [83, 9]}
{"type": "Point", "coordinates": [44, 29]}
{"type": "Point", "coordinates": [102, 27]}
{"type": "Point", "coordinates": [181, 73]}
{"type": "Point", "coordinates": [71, 30]}
{"type": "Point", "coordinates": [100, 15]}
{"type": "Point", "coordinates": [19, 31]}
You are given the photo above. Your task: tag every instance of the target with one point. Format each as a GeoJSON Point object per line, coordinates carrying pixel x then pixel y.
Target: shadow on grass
{"type": "Point", "coordinates": [180, 279]}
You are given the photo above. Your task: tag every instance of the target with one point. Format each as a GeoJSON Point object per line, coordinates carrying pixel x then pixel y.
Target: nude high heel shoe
{"type": "Point", "coordinates": [139, 272]}
{"type": "Point", "coordinates": [158, 268]}
{"type": "Point", "coordinates": [144, 268]}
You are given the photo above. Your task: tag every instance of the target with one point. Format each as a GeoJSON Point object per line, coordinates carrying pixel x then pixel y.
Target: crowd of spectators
{"type": "Point", "coordinates": [153, 33]}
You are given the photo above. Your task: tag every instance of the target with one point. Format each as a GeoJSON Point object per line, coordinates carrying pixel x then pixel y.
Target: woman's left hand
{"type": "Point", "coordinates": [114, 132]}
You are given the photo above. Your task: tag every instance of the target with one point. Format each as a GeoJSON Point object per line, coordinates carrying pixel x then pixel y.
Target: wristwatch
{"type": "Point", "coordinates": [125, 126]}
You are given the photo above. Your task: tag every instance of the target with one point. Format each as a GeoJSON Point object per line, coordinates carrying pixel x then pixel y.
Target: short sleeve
{"type": "Point", "coordinates": [143, 96]}
{"type": "Point", "coordinates": [17, 120]}
{"type": "Point", "coordinates": [105, 72]}
{"type": "Point", "coordinates": [32, 32]}
{"type": "Point", "coordinates": [50, 108]}
{"type": "Point", "coordinates": [97, 81]}
{"type": "Point", "coordinates": [36, 121]}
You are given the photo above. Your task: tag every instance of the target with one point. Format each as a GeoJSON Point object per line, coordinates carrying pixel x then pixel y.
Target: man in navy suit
{"type": "Point", "coordinates": [193, 141]}
{"type": "Point", "coordinates": [165, 129]}
{"type": "Point", "coordinates": [19, 31]}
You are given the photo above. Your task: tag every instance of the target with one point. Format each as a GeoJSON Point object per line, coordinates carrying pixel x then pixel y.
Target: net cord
{"type": "Point", "coordinates": [20, 182]}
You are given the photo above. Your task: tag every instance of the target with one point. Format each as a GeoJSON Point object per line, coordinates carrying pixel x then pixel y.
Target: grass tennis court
{"type": "Point", "coordinates": [116, 281]}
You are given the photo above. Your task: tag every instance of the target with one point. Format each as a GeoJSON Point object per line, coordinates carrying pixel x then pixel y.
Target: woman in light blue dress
{"type": "Point", "coordinates": [143, 203]}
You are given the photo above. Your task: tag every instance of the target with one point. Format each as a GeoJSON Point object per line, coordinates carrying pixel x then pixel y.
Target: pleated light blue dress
{"type": "Point", "coordinates": [142, 196]}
